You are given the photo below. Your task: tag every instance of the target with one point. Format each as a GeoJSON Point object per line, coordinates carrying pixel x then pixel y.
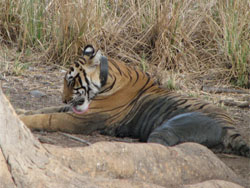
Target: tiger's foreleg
{"type": "Point", "coordinates": [65, 122]}
{"type": "Point", "coordinates": [199, 128]}
{"type": "Point", "coordinates": [47, 110]}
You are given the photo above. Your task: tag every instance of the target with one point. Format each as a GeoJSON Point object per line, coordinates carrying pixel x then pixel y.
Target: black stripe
{"type": "Point", "coordinates": [137, 77]}
{"type": "Point", "coordinates": [128, 69]}
{"type": "Point", "coordinates": [129, 73]}
{"type": "Point", "coordinates": [87, 81]}
{"type": "Point", "coordinates": [79, 79]}
{"type": "Point", "coordinates": [202, 106]}
{"type": "Point", "coordinates": [85, 77]}
{"type": "Point", "coordinates": [117, 67]}
{"type": "Point", "coordinates": [142, 90]}
{"type": "Point", "coordinates": [82, 60]}
{"type": "Point", "coordinates": [234, 135]}
{"type": "Point", "coordinates": [96, 86]}
{"type": "Point", "coordinates": [108, 88]}
{"type": "Point", "coordinates": [82, 86]}
{"type": "Point", "coordinates": [148, 120]}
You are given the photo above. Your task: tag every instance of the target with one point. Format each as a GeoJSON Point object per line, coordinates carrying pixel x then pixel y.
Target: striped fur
{"type": "Point", "coordinates": [132, 104]}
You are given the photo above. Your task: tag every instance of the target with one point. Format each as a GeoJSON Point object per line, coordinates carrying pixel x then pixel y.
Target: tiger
{"type": "Point", "coordinates": [109, 96]}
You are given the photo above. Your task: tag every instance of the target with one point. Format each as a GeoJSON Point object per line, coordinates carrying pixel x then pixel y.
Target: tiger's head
{"type": "Point", "coordinates": [84, 79]}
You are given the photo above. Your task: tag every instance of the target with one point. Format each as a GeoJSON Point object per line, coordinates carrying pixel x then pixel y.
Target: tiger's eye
{"type": "Point", "coordinates": [76, 64]}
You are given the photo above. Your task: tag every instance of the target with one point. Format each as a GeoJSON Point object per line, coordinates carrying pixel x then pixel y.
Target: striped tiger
{"type": "Point", "coordinates": [118, 100]}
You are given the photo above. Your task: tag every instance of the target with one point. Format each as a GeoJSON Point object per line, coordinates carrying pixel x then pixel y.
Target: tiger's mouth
{"type": "Point", "coordinates": [77, 111]}
{"type": "Point", "coordinates": [80, 107]}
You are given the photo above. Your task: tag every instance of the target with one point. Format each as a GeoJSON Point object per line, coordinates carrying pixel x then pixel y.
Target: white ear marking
{"type": "Point", "coordinates": [89, 50]}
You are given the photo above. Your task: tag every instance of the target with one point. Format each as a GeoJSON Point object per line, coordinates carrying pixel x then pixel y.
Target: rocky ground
{"type": "Point", "coordinates": [39, 86]}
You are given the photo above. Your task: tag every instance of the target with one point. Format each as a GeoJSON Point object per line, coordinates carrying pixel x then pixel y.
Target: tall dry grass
{"type": "Point", "coordinates": [192, 36]}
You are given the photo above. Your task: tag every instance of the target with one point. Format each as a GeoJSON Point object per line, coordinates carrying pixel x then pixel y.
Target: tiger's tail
{"type": "Point", "coordinates": [234, 143]}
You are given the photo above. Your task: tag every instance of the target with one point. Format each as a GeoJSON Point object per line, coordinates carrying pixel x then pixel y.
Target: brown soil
{"type": "Point", "coordinates": [48, 79]}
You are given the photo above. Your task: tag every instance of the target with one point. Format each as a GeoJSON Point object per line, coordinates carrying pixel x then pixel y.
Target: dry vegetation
{"type": "Point", "coordinates": [198, 36]}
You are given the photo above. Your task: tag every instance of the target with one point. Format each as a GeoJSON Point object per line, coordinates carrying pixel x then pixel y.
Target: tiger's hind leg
{"type": "Point", "coordinates": [199, 128]}
{"type": "Point", "coordinates": [188, 127]}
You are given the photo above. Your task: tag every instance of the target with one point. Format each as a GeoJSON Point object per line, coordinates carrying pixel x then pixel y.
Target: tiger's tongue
{"type": "Point", "coordinates": [79, 112]}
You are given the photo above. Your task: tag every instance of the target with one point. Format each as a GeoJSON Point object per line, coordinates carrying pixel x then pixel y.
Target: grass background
{"type": "Point", "coordinates": [206, 38]}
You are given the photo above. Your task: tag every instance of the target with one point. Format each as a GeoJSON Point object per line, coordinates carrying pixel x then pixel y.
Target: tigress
{"type": "Point", "coordinates": [118, 100]}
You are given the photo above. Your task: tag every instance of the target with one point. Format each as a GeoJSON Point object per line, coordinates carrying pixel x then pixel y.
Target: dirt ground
{"type": "Point", "coordinates": [40, 86]}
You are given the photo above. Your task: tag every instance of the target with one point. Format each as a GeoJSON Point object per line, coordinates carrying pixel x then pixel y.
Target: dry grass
{"type": "Point", "coordinates": [205, 37]}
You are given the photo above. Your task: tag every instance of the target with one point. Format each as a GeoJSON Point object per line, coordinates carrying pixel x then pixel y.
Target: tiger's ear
{"type": "Point", "coordinates": [88, 51]}
{"type": "Point", "coordinates": [97, 58]}
{"type": "Point", "coordinates": [92, 56]}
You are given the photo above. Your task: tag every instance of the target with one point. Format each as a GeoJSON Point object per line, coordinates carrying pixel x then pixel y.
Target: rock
{"type": "Point", "coordinates": [187, 163]}
{"type": "Point", "coordinates": [214, 183]}
{"type": "Point", "coordinates": [37, 93]}
{"type": "Point", "coordinates": [5, 175]}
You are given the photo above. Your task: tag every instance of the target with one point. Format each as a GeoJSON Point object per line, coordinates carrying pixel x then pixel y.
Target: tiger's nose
{"type": "Point", "coordinates": [64, 99]}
